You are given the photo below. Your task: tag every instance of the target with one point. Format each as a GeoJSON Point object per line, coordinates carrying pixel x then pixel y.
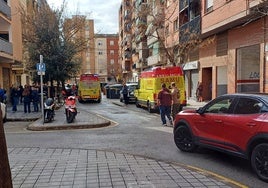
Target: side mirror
{"type": "Point", "coordinates": [200, 111]}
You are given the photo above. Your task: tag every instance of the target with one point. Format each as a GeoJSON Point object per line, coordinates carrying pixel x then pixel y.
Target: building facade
{"type": "Point", "coordinates": [125, 38]}
{"type": "Point", "coordinates": [106, 57]}
{"type": "Point", "coordinates": [235, 58]}
{"type": "Point", "coordinates": [6, 44]}
{"type": "Point", "coordinates": [222, 44]}
{"type": "Point", "coordinates": [88, 55]}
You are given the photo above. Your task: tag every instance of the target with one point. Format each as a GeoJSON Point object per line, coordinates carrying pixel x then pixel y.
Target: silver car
{"type": "Point", "coordinates": [131, 97]}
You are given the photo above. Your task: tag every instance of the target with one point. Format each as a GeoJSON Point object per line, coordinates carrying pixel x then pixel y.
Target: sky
{"type": "Point", "coordinates": [104, 13]}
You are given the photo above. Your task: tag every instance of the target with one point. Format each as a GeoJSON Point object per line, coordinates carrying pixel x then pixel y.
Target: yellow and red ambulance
{"type": "Point", "coordinates": [89, 88]}
{"type": "Point", "coordinates": [150, 84]}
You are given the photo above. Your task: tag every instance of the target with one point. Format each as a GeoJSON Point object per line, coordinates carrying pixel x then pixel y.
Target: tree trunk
{"type": "Point", "coordinates": [5, 173]}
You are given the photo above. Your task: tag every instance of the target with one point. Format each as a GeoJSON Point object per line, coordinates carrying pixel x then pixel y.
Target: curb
{"type": "Point", "coordinates": [67, 127]}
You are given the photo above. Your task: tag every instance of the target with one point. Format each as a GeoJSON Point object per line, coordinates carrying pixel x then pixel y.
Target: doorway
{"type": "Point", "coordinates": [207, 83]}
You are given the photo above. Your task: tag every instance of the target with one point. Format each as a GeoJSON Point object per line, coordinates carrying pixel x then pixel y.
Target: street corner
{"type": "Point", "coordinates": [84, 120]}
{"type": "Point", "coordinates": [45, 127]}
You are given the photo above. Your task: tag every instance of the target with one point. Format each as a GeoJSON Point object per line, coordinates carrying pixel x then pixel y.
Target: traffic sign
{"type": "Point", "coordinates": [41, 67]}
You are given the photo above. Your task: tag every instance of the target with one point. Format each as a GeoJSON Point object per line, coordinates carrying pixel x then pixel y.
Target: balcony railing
{"type": "Point", "coordinates": [6, 47]}
{"type": "Point", "coordinates": [153, 60]}
{"type": "Point", "coordinates": [183, 4]}
{"type": "Point", "coordinates": [5, 9]}
{"type": "Point", "coordinates": [192, 27]}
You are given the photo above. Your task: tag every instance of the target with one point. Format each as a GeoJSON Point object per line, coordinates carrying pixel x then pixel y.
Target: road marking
{"type": "Point", "coordinates": [163, 129]}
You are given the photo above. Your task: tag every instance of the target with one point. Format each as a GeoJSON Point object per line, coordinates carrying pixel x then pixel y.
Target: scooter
{"type": "Point", "coordinates": [70, 108]}
{"type": "Point", "coordinates": [49, 107]}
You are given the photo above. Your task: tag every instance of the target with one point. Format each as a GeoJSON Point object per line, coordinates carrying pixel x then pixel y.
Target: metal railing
{"type": "Point", "coordinates": [6, 46]}
{"type": "Point", "coordinates": [5, 9]}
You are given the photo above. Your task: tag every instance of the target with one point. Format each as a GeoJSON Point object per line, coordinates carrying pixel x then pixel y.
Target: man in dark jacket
{"type": "Point", "coordinates": [125, 93]}
{"type": "Point", "coordinates": [164, 103]}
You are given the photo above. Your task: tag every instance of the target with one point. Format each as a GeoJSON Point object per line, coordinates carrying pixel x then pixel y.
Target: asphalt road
{"type": "Point", "coordinates": [134, 131]}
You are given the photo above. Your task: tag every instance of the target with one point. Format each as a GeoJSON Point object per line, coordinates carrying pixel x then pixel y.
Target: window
{"type": "Point", "coordinates": [100, 53]}
{"type": "Point", "coordinates": [111, 43]}
{"type": "Point", "coordinates": [222, 44]}
{"type": "Point", "coordinates": [248, 106]}
{"type": "Point", "coordinates": [209, 5]}
{"type": "Point", "coordinates": [99, 43]}
{"type": "Point", "coordinates": [111, 52]}
{"type": "Point", "coordinates": [112, 61]}
{"type": "Point", "coordinates": [221, 106]}
{"type": "Point", "coordinates": [175, 25]}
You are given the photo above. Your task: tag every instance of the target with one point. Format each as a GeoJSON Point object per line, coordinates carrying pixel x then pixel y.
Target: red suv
{"type": "Point", "coordinates": [233, 123]}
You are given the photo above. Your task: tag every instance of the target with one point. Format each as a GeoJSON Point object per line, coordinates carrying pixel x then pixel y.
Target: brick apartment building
{"type": "Point", "coordinates": [106, 57]}
{"type": "Point", "coordinates": [232, 56]}
{"type": "Point", "coordinates": [235, 58]}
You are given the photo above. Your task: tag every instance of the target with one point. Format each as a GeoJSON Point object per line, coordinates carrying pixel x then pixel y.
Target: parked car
{"type": "Point", "coordinates": [4, 111]}
{"type": "Point", "coordinates": [131, 89]}
{"type": "Point", "coordinates": [113, 91]}
{"type": "Point", "coordinates": [233, 123]}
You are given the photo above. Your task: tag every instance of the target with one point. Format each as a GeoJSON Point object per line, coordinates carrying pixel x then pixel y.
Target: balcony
{"type": "Point", "coordinates": [6, 47]}
{"type": "Point", "coordinates": [5, 9]}
{"type": "Point", "coordinates": [141, 22]}
{"type": "Point", "coordinates": [143, 50]}
{"type": "Point", "coordinates": [126, 66]}
{"type": "Point", "coordinates": [154, 60]}
{"type": "Point", "coordinates": [190, 28]}
{"type": "Point", "coordinates": [218, 20]}
{"type": "Point", "coordinates": [183, 4]}
{"type": "Point", "coordinates": [128, 54]}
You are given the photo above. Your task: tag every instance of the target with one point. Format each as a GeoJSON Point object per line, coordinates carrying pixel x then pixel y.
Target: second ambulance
{"type": "Point", "coordinates": [150, 84]}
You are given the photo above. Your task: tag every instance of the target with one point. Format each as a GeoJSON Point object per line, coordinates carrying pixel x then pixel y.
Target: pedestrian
{"type": "Point", "coordinates": [15, 98]}
{"type": "Point", "coordinates": [27, 99]}
{"type": "Point", "coordinates": [2, 95]}
{"type": "Point", "coordinates": [164, 103]}
{"type": "Point", "coordinates": [199, 92]}
{"type": "Point", "coordinates": [20, 93]}
{"type": "Point", "coordinates": [125, 93]}
{"type": "Point", "coordinates": [35, 98]}
{"type": "Point", "coordinates": [175, 94]}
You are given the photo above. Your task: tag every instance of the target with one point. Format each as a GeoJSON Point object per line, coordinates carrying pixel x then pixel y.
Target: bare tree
{"type": "Point", "coordinates": [58, 38]}
{"type": "Point", "coordinates": [158, 18]}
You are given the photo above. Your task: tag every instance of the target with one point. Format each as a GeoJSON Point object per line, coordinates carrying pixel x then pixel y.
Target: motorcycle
{"type": "Point", "coordinates": [70, 108]}
{"type": "Point", "coordinates": [49, 107]}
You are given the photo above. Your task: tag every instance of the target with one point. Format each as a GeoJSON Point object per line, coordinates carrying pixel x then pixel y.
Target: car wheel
{"type": "Point", "coordinates": [137, 104]}
{"type": "Point", "coordinates": [259, 161]}
{"type": "Point", "coordinates": [184, 139]}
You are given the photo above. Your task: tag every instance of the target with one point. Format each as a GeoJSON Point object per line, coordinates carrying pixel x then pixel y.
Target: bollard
{"type": "Point", "coordinates": [5, 172]}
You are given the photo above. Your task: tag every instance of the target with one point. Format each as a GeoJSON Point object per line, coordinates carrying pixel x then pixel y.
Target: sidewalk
{"type": "Point", "coordinates": [84, 120]}
{"type": "Point", "coordinates": [72, 168]}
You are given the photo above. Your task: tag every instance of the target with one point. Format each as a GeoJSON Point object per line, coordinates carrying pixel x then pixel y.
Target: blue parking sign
{"type": "Point", "coordinates": [41, 67]}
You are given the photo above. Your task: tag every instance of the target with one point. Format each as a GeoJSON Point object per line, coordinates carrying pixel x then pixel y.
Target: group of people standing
{"type": "Point", "coordinates": [169, 103]}
{"type": "Point", "coordinates": [26, 95]}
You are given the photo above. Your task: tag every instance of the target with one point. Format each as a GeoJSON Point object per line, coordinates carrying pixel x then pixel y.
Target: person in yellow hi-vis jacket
{"type": "Point", "coordinates": [175, 105]}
